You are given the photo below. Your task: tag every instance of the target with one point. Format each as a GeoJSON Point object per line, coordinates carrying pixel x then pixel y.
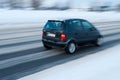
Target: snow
{"type": "Point", "coordinates": [104, 65]}
{"type": "Point", "coordinates": [52, 3]}
{"type": "Point", "coordinates": [8, 17]}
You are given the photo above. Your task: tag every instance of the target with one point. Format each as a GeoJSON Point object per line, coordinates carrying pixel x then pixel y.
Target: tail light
{"type": "Point", "coordinates": [42, 34]}
{"type": "Point", "coordinates": [62, 37]}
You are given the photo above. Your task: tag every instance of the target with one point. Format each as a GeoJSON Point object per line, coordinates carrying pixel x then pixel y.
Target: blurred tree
{"type": "Point", "coordinates": [15, 3]}
{"type": "Point", "coordinates": [103, 6]}
{"type": "Point", "coordinates": [61, 5]}
{"type": "Point", "coordinates": [95, 6]}
{"type": "Point", "coordinates": [118, 7]}
{"type": "Point", "coordinates": [36, 4]}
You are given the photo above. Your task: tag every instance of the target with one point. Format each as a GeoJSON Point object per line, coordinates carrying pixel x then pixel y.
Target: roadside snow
{"type": "Point", "coordinates": [104, 65]}
{"type": "Point", "coordinates": [38, 17]}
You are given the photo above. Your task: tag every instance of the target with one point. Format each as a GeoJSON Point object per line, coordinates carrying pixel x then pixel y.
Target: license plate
{"type": "Point", "coordinates": [51, 35]}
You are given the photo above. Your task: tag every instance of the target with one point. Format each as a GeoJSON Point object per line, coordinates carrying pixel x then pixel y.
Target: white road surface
{"type": "Point", "coordinates": [103, 65]}
{"type": "Point", "coordinates": [9, 39]}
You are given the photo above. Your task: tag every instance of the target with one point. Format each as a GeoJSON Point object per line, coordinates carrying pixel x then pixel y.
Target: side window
{"type": "Point", "coordinates": [87, 25]}
{"type": "Point", "coordinates": [74, 25]}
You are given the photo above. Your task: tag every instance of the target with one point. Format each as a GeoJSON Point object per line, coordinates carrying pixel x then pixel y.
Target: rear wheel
{"type": "Point", "coordinates": [71, 48]}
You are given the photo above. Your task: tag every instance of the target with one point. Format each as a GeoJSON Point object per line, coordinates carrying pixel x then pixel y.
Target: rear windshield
{"type": "Point", "coordinates": [53, 25]}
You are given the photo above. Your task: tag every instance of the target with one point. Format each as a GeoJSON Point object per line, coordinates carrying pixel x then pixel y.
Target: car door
{"type": "Point", "coordinates": [76, 30]}
{"type": "Point", "coordinates": [90, 31]}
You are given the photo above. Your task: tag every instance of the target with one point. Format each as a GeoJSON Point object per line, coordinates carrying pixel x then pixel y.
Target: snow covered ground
{"type": "Point", "coordinates": [17, 17]}
{"type": "Point", "coordinates": [104, 65]}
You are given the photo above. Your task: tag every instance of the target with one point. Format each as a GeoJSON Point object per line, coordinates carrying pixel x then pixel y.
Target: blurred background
{"type": "Point", "coordinates": [87, 5]}
{"type": "Point", "coordinates": [21, 49]}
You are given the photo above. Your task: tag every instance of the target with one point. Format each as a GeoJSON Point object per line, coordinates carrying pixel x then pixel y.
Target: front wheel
{"type": "Point", "coordinates": [71, 48]}
{"type": "Point", "coordinates": [99, 41]}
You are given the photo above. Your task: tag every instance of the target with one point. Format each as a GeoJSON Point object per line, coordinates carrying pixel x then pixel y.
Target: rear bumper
{"type": "Point", "coordinates": [54, 44]}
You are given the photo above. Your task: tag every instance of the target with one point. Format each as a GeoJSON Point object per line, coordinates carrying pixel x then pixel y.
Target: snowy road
{"type": "Point", "coordinates": [103, 65]}
{"type": "Point", "coordinates": [22, 53]}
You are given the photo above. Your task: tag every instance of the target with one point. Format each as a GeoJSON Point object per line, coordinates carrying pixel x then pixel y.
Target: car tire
{"type": "Point", "coordinates": [47, 47]}
{"type": "Point", "coordinates": [99, 41]}
{"type": "Point", "coordinates": [71, 48]}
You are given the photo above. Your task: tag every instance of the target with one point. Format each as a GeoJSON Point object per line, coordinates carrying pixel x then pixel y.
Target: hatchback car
{"type": "Point", "coordinates": [69, 34]}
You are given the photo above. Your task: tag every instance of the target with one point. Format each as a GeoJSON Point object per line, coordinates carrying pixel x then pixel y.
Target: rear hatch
{"type": "Point", "coordinates": [53, 30]}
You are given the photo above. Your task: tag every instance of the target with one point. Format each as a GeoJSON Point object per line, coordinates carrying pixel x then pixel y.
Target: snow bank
{"type": "Point", "coordinates": [26, 16]}
{"type": "Point", "coordinates": [104, 65]}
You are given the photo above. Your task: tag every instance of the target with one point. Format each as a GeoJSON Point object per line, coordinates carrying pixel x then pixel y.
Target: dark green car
{"type": "Point", "coordinates": [69, 34]}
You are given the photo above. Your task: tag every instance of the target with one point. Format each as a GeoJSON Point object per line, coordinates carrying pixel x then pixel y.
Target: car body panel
{"type": "Point", "coordinates": [77, 30]}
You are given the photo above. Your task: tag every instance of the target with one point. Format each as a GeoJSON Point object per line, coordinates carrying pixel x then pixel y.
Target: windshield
{"type": "Point", "coordinates": [53, 25]}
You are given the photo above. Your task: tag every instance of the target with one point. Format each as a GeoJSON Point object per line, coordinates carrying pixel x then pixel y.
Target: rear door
{"type": "Point", "coordinates": [90, 30]}
{"type": "Point", "coordinates": [75, 30]}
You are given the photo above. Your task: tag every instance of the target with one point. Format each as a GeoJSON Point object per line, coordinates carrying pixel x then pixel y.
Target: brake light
{"type": "Point", "coordinates": [42, 34]}
{"type": "Point", "coordinates": [62, 37]}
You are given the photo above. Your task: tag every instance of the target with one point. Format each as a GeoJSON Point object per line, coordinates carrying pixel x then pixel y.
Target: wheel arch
{"type": "Point", "coordinates": [71, 40]}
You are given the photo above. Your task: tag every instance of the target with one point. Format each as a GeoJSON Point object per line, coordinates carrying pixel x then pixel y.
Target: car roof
{"type": "Point", "coordinates": [65, 19]}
